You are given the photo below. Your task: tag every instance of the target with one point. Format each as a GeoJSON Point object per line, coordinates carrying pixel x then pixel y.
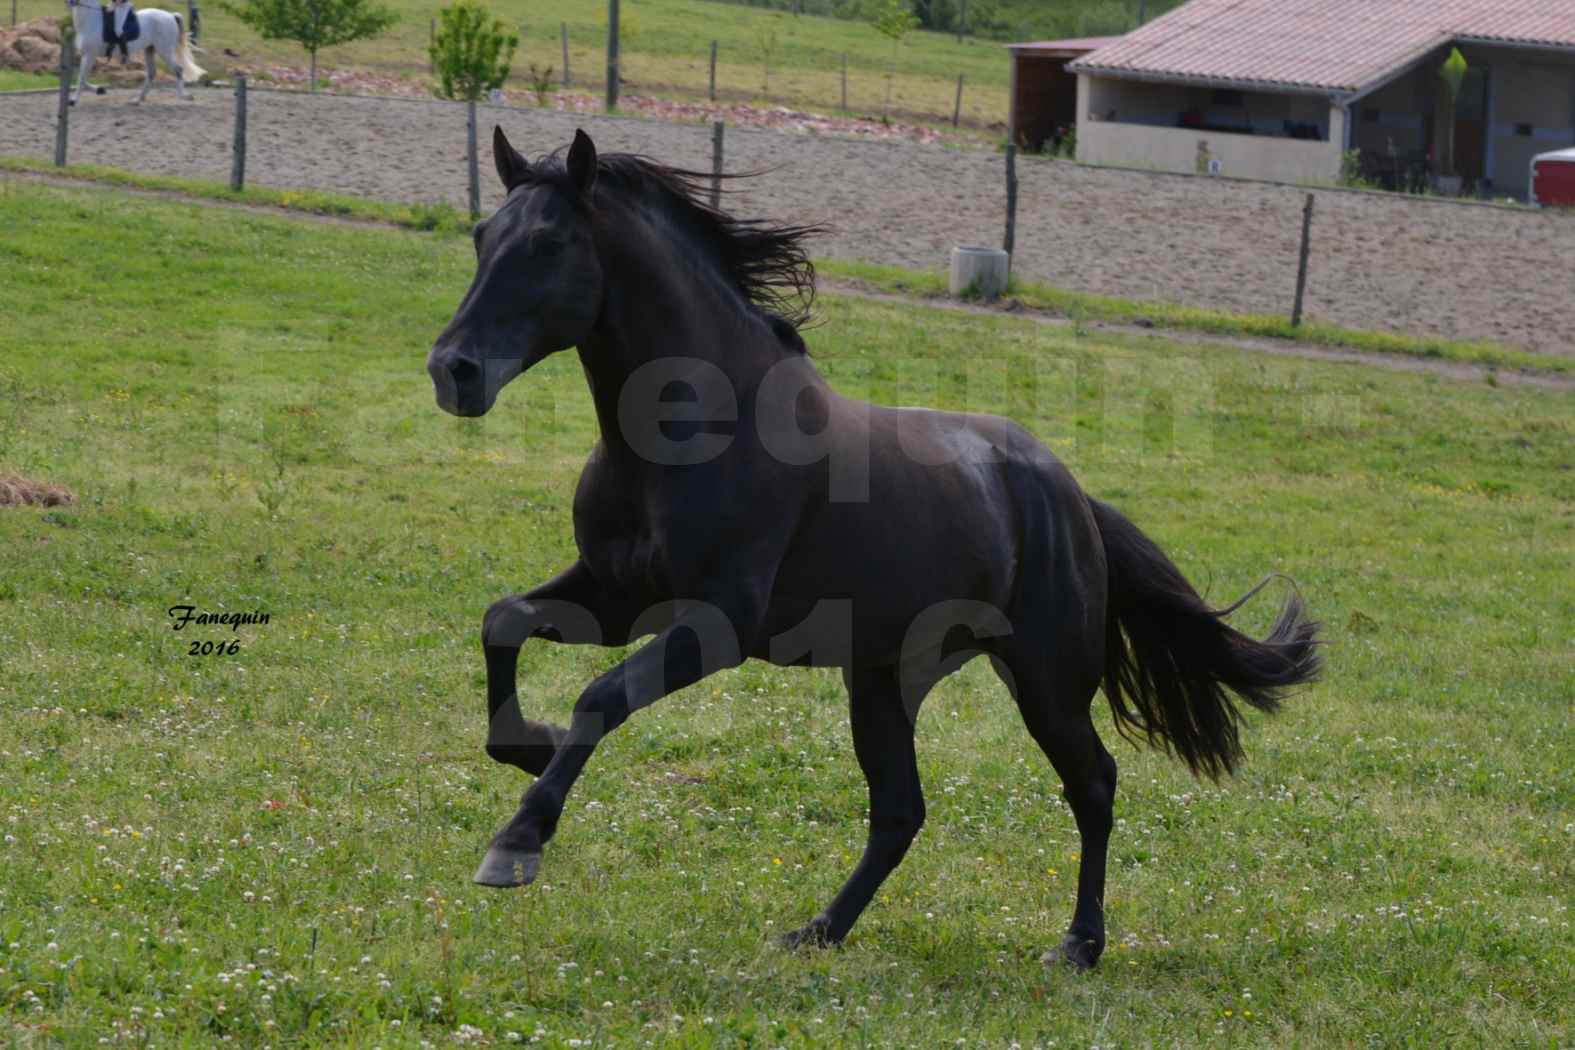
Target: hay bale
{"type": "Point", "coordinates": [36, 52]}
{"type": "Point", "coordinates": [17, 491]}
{"type": "Point", "coordinates": [45, 29]}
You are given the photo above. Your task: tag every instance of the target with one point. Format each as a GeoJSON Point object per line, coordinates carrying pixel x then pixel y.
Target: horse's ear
{"type": "Point", "coordinates": [582, 163]}
{"type": "Point", "coordinates": [513, 169]}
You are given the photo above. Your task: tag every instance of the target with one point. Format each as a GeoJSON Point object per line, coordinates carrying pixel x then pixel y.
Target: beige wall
{"type": "Point", "coordinates": [1114, 99]}
{"type": "Point", "coordinates": [1169, 148]}
{"type": "Point", "coordinates": [1533, 93]}
{"type": "Point", "coordinates": [1528, 90]}
{"type": "Point", "coordinates": [1394, 114]}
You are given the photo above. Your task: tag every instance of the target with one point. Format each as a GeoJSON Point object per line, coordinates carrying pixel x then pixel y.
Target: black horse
{"type": "Point", "coordinates": [736, 506]}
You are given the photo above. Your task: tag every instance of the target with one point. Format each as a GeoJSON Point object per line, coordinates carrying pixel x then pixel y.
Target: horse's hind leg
{"type": "Point", "coordinates": [147, 72]}
{"type": "Point", "coordinates": [883, 742]}
{"type": "Point", "coordinates": [1055, 707]}
{"type": "Point", "coordinates": [88, 56]}
{"type": "Point", "coordinates": [173, 61]}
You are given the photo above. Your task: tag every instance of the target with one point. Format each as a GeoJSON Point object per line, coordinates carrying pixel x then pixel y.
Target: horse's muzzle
{"type": "Point", "coordinates": [459, 383]}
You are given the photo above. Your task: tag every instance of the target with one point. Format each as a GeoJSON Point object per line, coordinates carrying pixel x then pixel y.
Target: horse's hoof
{"type": "Point", "coordinates": [505, 868]}
{"type": "Point", "coordinates": [101, 91]}
{"type": "Point", "coordinates": [814, 934]}
{"type": "Point", "coordinates": [1078, 953]}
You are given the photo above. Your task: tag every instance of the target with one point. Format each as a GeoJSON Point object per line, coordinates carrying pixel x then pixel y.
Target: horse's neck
{"type": "Point", "coordinates": [657, 304]}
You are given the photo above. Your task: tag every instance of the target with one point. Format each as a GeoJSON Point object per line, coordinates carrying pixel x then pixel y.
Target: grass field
{"type": "Point", "coordinates": [665, 47]}
{"type": "Point", "coordinates": [12, 80]}
{"type": "Point", "coordinates": [275, 845]}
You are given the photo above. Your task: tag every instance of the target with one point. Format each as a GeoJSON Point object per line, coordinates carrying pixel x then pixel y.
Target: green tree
{"type": "Point", "coordinates": [1453, 74]}
{"type": "Point", "coordinates": [472, 51]}
{"type": "Point", "coordinates": [892, 19]}
{"type": "Point", "coordinates": [314, 24]}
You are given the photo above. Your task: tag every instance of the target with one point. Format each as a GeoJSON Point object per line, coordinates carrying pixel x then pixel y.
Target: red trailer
{"type": "Point", "coordinates": [1553, 179]}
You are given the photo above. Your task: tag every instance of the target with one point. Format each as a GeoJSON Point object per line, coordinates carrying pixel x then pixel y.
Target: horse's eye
{"type": "Point", "coordinates": [547, 246]}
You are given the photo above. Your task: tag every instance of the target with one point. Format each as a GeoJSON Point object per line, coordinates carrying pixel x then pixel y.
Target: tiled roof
{"type": "Point", "coordinates": [1082, 43]}
{"type": "Point", "coordinates": [1339, 46]}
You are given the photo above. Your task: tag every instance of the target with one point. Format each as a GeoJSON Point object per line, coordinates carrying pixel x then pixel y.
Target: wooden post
{"type": "Point", "coordinates": [13, 14]}
{"type": "Point", "coordinates": [191, 20]}
{"type": "Point", "coordinates": [238, 155]}
{"type": "Point", "coordinates": [431, 43]}
{"type": "Point", "coordinates": [844, 82]}
{"type": "Point", "coordinates": [712, 91]}
{"type": "Point", "coordinates": [716, 164]}
{"type": "Point", "coordinates": [612, 55]}
{"type": "Point", "coordinates": [957, 109]}
{"type": "Point", "coordinates": [1010, 241]}
{"type": "Point", "coordinates": [563, 28]}
{"type": "Point", "coordinates": [1142, 12]}
{"type": "Point", "coordinates": [474, 171]}
{"type": "Point", "coordinates": [1301, 266]}
{"type": "Point", "coordinates": [62, 119]}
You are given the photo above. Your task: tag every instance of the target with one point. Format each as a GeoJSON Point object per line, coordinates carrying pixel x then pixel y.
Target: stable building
{"type": "Point", "coordinates": [1042, 99]}
{"type": "Point", "coordinates": [1283, 89]}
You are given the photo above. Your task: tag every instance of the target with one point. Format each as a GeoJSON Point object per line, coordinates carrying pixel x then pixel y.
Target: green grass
{"type": "Point", "coordinates": [442, 218]}
{"type": "Point", "coordinates": [15, 80]}
{"type": "Point", "coordinates": [665, 49]}
{"type": "Point", "coordinates": [1004, 19]}
{"type": "Point", "coordinates": [276, 845]}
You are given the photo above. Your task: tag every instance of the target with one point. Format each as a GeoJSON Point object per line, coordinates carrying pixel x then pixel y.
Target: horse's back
{"type": "Point", "coordinates": [957, 510]}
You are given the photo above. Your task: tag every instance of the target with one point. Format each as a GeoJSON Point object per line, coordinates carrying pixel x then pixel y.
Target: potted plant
{"type": "Point", "coordinates": [1453, 72]}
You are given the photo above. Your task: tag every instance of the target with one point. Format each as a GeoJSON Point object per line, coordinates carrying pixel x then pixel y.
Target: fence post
{"type": "Point", "coordinates": [612, 55]}
{"type": "Point", "coordinates": [431, 44]}
{"type": "Point", "coordinates": [716, 164]}
{"type": "Point", "coordinates": [193, 20]}
{"type": "Point", "coordinates": [1009, 243]}
{"type": "Point", "coordinates": [1301, 267]}
{"type": "Point", "coordinates": [238, 158]}
{"type": "Point", "coordinates": [64, 115]}
{"type": "Point", "coordinates": [1142, 12]}
{"type": "Point", "coordinates": [713, 71]}
{"type": "Point", "coordinates": [957, 109]}
{"type": "Point", "coordinates": [563, 27]}
{"type": "Point", "coordinates": [13, 14]}
{"type": "Point", "coordinates": [844, 82]}
{"type": "Point", "coordinates": [474, 172]}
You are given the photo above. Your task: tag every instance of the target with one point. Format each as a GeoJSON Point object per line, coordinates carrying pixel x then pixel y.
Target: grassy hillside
{"type": "Point", "coordinates": [274, 845]}
{"type": "Point", "coordinates": [666, 49]}
{"type": "Point", "coordinates": [997, 19]}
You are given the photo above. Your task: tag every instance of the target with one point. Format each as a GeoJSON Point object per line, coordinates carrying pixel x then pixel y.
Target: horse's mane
{"type": "Point", "coordinates": [767, 262]}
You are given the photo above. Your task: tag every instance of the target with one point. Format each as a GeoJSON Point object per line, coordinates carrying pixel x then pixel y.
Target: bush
{"type": "Point", "coordinates": [471, 52]}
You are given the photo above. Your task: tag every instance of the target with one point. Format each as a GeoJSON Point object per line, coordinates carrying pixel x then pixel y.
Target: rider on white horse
{"type": "Point", "coordinates": [119, 37]}
{"type": "Point", "coordinates": [150, 30]}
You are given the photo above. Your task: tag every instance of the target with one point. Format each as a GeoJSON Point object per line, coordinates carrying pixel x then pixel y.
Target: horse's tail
{"type": "Point", "coordinates": [191, 72]}
{"type": "Point", "coordinates": [1169, 658]}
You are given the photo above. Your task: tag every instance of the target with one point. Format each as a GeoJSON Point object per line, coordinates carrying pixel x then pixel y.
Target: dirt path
{"type": "Point", "coordinates": [1379, 262]}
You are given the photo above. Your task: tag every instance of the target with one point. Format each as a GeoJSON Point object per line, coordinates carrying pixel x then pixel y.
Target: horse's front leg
{"type": "Point", "coordinates": [572, 608]}
{"type": "Point", "coordinates": [87, 68]}
{"type": "Point", "coordinates": [699, 640]}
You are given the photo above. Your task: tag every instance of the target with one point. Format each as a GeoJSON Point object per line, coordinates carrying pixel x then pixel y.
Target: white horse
{"type": "Point", "coordinates": [158, 31]}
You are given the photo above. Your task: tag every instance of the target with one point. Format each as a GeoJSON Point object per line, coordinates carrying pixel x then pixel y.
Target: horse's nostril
{"type": "Point", "coordinates": [464, 372]}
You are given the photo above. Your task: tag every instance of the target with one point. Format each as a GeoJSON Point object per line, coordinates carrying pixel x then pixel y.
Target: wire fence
{"type": "Point", "coordinates": [1355, 259]}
